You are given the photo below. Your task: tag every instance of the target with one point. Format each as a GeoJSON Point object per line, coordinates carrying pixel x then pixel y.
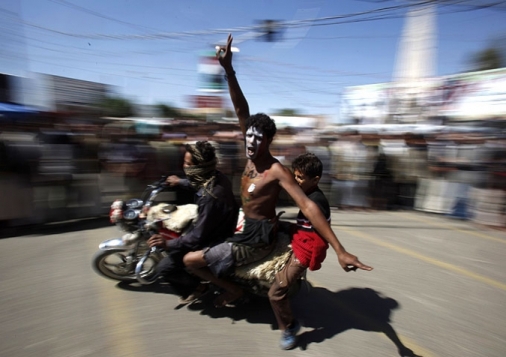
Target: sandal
{"type": "Point", "coordinates": [200, 291]}
{"type": "Point", "coordinates": [227, 298]}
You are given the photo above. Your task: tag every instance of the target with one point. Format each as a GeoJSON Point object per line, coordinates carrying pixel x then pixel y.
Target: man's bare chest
{"type": "Point", "coordinates": [256, 184]}
{"type": "Point", "coordinates": [251, 181]}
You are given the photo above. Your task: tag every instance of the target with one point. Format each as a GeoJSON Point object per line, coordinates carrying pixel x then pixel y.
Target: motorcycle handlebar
{"type": "Point", "coordinates": [159, 183]}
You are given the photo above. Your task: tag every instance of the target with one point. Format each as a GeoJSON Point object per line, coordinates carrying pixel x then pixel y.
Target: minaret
{"type": "Point", "coordinates": [415, 63]}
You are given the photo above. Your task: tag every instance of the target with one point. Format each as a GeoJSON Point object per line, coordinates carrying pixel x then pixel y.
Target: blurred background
{"type": "Point", "coordinates": [403, 101]}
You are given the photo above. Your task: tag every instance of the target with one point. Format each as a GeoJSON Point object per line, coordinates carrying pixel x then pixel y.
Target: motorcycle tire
{"type": "Point", "coordinates": [113, 265]}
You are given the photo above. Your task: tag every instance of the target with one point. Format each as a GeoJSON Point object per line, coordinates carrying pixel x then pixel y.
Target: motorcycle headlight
{"type": "Point", "coordinates": [130, 214]}
{"type": "Point", "coordinates": [134, 203]}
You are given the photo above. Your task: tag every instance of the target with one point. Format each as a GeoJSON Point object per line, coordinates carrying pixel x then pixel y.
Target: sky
{"type": "Point", "coordinates": [149, 49]}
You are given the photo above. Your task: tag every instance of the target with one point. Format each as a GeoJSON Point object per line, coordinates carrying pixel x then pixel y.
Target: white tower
{"type": "Point", "coordinates": [417, 47]}
{"type": "Point", "coordinates": [415, 64]}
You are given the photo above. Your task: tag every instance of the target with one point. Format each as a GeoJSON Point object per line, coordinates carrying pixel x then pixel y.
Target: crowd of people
{"type": "Point", "coordinates": [56, 164]}
{"type": "Point", "coordinates": [86, 166]}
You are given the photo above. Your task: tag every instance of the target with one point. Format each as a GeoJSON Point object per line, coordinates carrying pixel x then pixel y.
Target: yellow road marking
{"type": "Point", "coordinates": [448, 266]}
{"type": "Point", "coordinates": [417, 350]}
{"type": "Point", "coordinates": [123, 339]}
{"type": "Point", "coordinates": [406, 341]}
{"type": "Point", "coordinates": [447, 226]}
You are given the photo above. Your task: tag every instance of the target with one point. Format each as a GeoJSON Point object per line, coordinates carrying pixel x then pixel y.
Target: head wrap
{"type": "Point", "coordinates": [203, 173]}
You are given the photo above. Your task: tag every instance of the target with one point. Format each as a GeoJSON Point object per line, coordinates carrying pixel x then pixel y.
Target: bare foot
{"type": "Point", "coordinates": [227, 298]}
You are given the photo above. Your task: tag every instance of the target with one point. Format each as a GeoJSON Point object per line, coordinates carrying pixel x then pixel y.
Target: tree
{"type": "Point", "coordinates": [116, 107]}
{"type": "Point", "coordinates": [167, 111]}
{"type": "Point", "coordinates": [287, 112]}
{"type": "Point", "coordinates": [488, 58]}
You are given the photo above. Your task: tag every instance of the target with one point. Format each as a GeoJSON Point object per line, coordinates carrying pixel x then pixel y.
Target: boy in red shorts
{"type": "Point", "coordinates": [309, 248]}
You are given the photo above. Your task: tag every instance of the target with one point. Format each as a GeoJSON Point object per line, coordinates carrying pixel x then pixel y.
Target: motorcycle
{"type": "Point", "coordinates": [129, 258]}
{"type": "Point", "coordinates": [119, 258]}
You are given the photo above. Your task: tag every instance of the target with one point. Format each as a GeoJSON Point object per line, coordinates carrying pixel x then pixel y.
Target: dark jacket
{"type": "Point", "coordinates": [217, 217]}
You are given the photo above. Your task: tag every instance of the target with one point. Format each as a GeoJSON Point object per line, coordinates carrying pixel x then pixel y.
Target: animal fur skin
{"type": "Point", "coordinates": [263, 270]}
{"type": "Point", "coordinates": [175, 221]}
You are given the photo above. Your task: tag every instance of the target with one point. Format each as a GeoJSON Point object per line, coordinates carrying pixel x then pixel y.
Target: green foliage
{"type": "Point", "coordinates": [488, 58]}
{"type": "Point", "coordinates": [117, 107]}
{"type": "Point", "coordinates": [287, 112]}
{"type": "Point", "coordinates": [167, 111]}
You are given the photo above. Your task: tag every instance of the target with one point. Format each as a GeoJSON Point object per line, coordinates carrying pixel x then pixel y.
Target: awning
{"type": "Point", "coordinates": [10, 111]}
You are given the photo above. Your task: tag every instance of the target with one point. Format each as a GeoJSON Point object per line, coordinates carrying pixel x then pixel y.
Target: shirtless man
{"type": "Point", "coordinates": [261, 183]}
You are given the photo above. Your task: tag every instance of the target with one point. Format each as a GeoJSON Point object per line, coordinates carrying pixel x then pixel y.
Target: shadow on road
{"type": "Point", "coordinates": [330, 313]}
{"type": "Point", "coordinates": [322, 312]}
{"type": "Point", "coordinates": [158, 288]}
{"type": "Point", "coordinates": [253, 309]}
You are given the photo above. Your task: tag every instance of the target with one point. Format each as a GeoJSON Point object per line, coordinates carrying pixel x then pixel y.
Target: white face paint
{"type": "Point", "coordinates": [254, 137]}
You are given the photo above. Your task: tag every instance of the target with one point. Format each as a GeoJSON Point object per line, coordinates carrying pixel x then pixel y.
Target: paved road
{"type": "Point", "coordinates": [438, 289]}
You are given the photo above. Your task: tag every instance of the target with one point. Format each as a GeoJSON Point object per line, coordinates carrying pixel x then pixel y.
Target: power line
{"type": "Point", "coordinates": [383, 13]}
{"type": "Point", "coordinates": [95, 13]}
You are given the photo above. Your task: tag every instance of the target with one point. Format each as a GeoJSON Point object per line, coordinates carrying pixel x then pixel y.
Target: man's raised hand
{"type": "Point", "coordinates": [224, 54]}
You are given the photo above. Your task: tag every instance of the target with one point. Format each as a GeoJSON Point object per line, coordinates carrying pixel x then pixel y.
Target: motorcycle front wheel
{"type": "Point", "coordinates": [119, 265]}
{"type": "Point", "coordinates": [145, 271]}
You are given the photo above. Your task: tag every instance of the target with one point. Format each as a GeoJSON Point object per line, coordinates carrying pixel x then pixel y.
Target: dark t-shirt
{"type": "Point", "coordinates": [319, 198]}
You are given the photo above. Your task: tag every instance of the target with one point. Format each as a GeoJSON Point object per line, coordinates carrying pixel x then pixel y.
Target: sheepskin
{"type": "Point", "coordinates": [265, 269]}
{"type": "Point", "coordinates": [175, 221]}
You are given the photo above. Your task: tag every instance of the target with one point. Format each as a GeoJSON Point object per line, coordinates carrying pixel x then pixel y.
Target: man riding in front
{"type": "Point", "coordinates": [217, 217]}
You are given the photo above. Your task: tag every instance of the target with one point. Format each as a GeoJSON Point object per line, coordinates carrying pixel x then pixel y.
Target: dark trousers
{"type": "Point", "coordinates": [172, 270]}
{"type": "Point", "coordinates": [278, 293]}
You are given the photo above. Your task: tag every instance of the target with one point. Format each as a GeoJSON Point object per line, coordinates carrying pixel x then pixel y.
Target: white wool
{"type": "Point", "coordinates": [176, 221]}
{"type": "Point", "coordinates": [265, 269]}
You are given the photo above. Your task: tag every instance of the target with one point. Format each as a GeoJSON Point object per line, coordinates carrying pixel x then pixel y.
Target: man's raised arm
{"type": "Point", "coordinates": [241, 107]}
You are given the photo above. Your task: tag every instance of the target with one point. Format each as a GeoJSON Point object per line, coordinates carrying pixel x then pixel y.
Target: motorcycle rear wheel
{"type": "Point", "coordinates": [115, 265]}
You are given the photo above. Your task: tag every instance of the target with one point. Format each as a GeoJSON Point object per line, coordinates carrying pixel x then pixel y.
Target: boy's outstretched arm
{"type": "Point", "coordinates": [239, 101]}
{"type": "Point", "coordinates": [347, 261]}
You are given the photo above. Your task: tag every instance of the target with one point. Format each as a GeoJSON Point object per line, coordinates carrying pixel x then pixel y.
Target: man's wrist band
{"type": "Point", "coordinates": [229, 74]}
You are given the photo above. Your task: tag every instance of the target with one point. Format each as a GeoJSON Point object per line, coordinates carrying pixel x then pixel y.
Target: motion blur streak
{"type": "Point", "coordinates": [473, 233]}
{"type": "Point", "coordinates": [447, 266]}
{"type": "Point", "coordinates": [122, 338]}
